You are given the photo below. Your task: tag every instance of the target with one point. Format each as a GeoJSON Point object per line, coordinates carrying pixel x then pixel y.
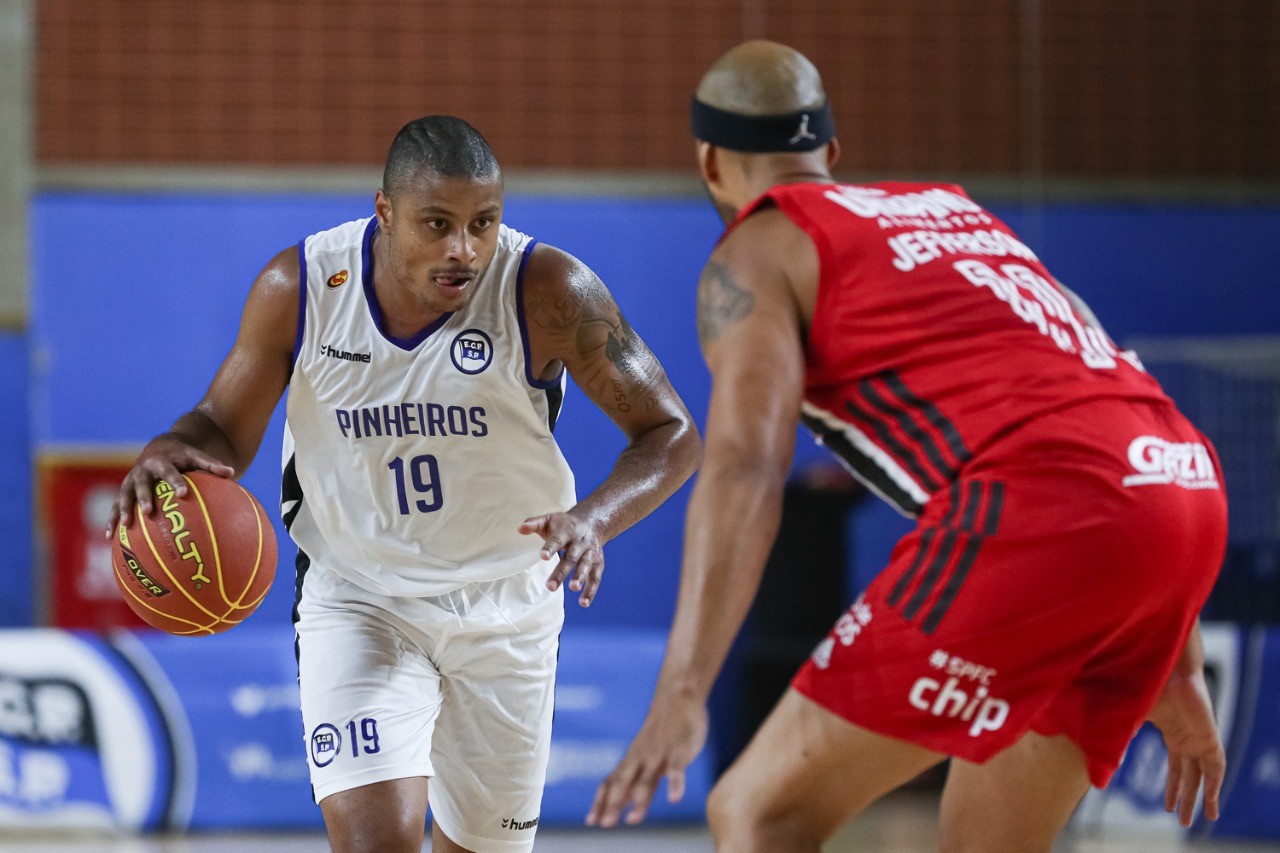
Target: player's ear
{"type": "Point", "coordinates": [382, 207]}
{"type": "Point", "coordinates": [708, 165]}
{"type": "Point", "coordinates": [833, 153]}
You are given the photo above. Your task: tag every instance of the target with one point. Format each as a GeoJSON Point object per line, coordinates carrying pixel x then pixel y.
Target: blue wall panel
{"type": "Point", "coordinates": [136, 300]}
{"type": "Point", "coordinates": [16, 595]}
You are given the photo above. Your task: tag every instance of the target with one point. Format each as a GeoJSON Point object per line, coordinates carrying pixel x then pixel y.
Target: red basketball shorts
{"type": "Point", "coordinates": [1050, 589]}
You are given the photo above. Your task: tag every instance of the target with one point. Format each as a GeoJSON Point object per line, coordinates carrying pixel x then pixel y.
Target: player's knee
{"type": "Point", "coordinates": [385, 834]}
{"type": "Point", "coordinates": [720, 808]}
{"type": "Point", "coordinates": [743, 819]}
{"type": "Point", "coordinates": [377, 839]}
{"type": "Point", "coordinates": [974, 833]}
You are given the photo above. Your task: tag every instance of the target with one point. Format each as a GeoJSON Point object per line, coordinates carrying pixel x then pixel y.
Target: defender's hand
{"type": "Point", "coordinates": [579, 546]}
{"type": "Point", "coordinates": [165, 458]}
{"type": "Point", "coordinates": [1184, 715]}
{"type": "Point", "coordinates": [672, 736]}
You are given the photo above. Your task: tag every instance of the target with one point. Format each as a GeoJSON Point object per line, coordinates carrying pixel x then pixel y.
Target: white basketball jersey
{"type": "Point", "coordinates": [409, 464]}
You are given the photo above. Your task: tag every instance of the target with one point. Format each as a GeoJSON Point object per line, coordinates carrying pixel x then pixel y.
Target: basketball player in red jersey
{"type": "Point", "coordinates": [1071, 521]}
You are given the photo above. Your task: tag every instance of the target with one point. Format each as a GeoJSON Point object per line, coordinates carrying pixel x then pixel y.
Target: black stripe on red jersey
{"type": "Point", "coordinates": [891, 443]}
{"type": "Point", "coordinates": [954, 508]}
{"type": "Point", "coordinates": [990, 525]}
{"type": "Point", "coordinates": [971, 502]}
{"type": "Point", "coordinates": [916, 433]}
{"type": "Point", "coordinates": [943, 604]}
{"type": "Point", "coordinates": [862, 467]}
{"type": "Point", "coordinates": [904, 582]}
{"type": "Point", "coordinates": [931, 574]}
{"type": "Point", "coordinates": [931, 414]}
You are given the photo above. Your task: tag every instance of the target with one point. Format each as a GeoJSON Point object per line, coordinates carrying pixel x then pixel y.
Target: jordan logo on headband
{"type": "Point", "coordinates": [803, 133]}
{"type": "Point", "coordinates": [805, 129]}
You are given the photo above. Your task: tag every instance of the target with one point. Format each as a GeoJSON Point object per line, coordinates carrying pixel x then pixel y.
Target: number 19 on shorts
{"type": "Point", "coordinates": [417, 483]}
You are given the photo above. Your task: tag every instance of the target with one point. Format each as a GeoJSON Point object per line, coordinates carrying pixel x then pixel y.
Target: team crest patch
{"type": "Point", "coordinates": [326, 741]}
{"type": "Point", "coordinates": [339, 278]}
{"type": "Point", "coordinates": [472, 351]}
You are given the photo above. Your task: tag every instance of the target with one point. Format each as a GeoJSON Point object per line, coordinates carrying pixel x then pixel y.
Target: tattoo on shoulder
{"type": "Point", "coordinates": [721, 301]}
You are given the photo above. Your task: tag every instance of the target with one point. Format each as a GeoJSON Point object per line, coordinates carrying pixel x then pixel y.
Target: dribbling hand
{"type": "Point", "coordinates": [581, 552]}
{"type": "Point", "coordinates": [165, 458]}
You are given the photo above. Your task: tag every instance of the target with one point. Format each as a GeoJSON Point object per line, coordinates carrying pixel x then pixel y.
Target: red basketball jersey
{"type": "Point", "coordinates": [936, 331]}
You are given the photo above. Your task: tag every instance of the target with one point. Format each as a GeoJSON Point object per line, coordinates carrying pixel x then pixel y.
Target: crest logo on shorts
{"type": "Point", "coordinates": [326, 742]}
{"type": "Point", "coordinates": [471, 351]}
{"type": "Point", "coordinates": [339, 278]}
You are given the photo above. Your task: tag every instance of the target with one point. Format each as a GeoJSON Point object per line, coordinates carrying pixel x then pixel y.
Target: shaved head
{"type": "Point", "coordinates": [761, 78]}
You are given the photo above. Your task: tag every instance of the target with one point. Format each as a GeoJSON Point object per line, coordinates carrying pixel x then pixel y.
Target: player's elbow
{"type": "Point", "coordinates": [686, 446]}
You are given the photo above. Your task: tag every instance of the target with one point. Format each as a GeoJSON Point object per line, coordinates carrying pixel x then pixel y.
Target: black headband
{"type": "Point", "coordinates": [802, 130]}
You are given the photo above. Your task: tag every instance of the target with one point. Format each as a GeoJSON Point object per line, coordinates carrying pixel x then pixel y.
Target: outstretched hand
{"type": "Point", "coordinates": [1184, 715]}
{"type": "Point", "coordinates": [672, 736]}
{"type": "Point", "coordinates": [165, 458]}
{"type": "Point", "coordinates": [580, 547]}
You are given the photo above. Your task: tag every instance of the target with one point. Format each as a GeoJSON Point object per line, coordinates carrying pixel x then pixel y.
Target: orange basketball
{"type": "Point", "coordinates": [198, 564]}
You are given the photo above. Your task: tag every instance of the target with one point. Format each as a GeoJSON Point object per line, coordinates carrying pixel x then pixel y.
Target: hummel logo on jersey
{"type": "Point", "coordinates": [343, 355]}
{"type": "Point", "coordinates": [1159, 462]}
{"type": "Point", "coordinates": [803, 133]}
{"type": "Point", "coordinates": [518, 825]}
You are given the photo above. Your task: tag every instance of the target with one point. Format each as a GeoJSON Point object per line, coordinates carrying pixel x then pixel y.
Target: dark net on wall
{"type": "Point", "coordinates": [1061, 88]}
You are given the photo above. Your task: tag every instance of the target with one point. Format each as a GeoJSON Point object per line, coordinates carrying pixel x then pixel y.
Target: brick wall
{"type": "Point", "coordinates": [1077, 88]}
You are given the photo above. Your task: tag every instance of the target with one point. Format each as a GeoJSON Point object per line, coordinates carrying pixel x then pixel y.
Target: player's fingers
{"type": "Point", "coordinates": [162, 469]}
{"type": "Point", "coordinates": [611, 796]}
{"type": "Point", "coordinates": [142, 495]}
{"type": "Point", "coordinates": [638, 792]}
{"type": "Point", "coordinates": [554, 538]}
{"type": "Point", "coordinates": [205, 462]}
{"type": "Point", "coordinates": [641, 797]}
{"type": "Point", "coordinates": [1172, 783]}
{"type": "Point", "coordinates": [596, 812]}
{"type": "Point", "coordinates": [575, 554]}
{"type": "Point", "coordinates": [114, 518]}
{"type": "Point", "coordinates": [537, 524]}
{"type": "Point", "coordinates": [1187, 791]}
{"type": "Point", "coordinates": [557, 576]}
{"type": "Point", "coordinates": [590, 573]}
{"type": "Point", "coordinates": [176, 480]}
{"type": "Point", "coordinates": [1215, 774]}
{"type": "Point", "coordinates": [675, 785]}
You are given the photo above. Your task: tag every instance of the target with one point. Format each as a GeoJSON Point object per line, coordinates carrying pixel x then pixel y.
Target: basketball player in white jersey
{"type": "Point", "coordinates": [425, 351]}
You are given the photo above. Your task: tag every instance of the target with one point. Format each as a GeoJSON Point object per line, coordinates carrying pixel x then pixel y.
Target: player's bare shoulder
{"type": "Point", "coordinates": [271, 310]}
{"type": "Point", "coordinates": [765, 260]}
{"type": "Point", "coordinates": [568, 307]}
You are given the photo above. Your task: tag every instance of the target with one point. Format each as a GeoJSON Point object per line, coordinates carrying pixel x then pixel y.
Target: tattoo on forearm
{"type": "Point", "coordinates": [721, 301]}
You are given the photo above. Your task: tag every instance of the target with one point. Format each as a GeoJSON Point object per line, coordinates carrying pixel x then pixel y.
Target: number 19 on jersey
{"type": "Point", "coordinates": [424, 477]}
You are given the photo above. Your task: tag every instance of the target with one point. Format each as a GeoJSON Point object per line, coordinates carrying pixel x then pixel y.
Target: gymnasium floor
{"type": "Point", "coordinates": [903, 824]}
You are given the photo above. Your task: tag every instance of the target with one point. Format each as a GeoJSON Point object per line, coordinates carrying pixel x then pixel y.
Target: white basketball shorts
{"type": "Point", "coordinates": [458, 688]}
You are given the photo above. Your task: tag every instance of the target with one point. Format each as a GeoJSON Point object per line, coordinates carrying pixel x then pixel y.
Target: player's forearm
{"type": "Point", "coordinates": [651, 468]}
{"type": "Point", "coordinates": [731, 525]}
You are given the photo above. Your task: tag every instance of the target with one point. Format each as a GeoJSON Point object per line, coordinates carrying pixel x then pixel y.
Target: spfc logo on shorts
{"type": "Point", "coordinates": [472, 351]}
{"type": "Point", "coordinates": [326, 742]}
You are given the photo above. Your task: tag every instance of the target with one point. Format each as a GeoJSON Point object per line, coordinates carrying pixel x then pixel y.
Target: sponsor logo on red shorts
{"type": "Point", "coordinates": [1160, 462]}
{"type": "Point", "coordinates": [847, 629]}
{"type": "Point", "coordinates": [964, 695]}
